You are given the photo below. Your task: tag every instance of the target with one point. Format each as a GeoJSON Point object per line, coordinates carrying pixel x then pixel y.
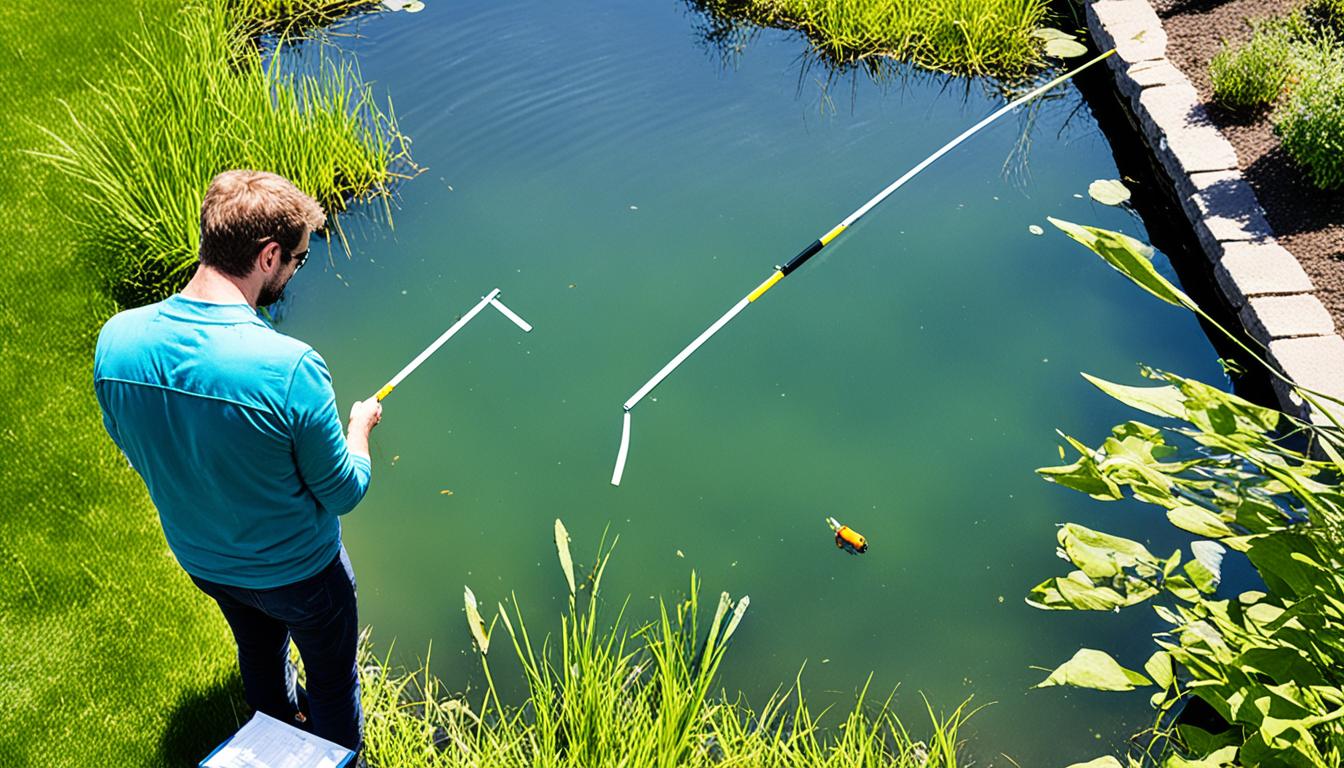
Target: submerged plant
{"type": "Point", "coordinates": [1268, 664]}
{"type": "Point", "coordinates": [611, 696]}
{"type": "Point", "coordinates": [191, 101]}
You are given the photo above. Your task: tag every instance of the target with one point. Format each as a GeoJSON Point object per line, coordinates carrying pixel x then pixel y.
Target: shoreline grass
{"type": "Point", "coordinates": [194, 98]}
{"type": "Point", "coordinates": [608, 695]}
{"type": "Point", "coordinates": [962, 37]}
{"type": "Point", "coordinates": [109, 650]}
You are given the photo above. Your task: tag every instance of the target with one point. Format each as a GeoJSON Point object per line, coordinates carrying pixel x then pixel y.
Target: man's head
{"type": "Point", "coordinates": [255, 227]}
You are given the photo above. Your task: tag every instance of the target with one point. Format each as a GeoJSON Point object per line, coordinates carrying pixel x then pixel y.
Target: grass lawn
{"type": "Point", "coordinates": [109, 651]}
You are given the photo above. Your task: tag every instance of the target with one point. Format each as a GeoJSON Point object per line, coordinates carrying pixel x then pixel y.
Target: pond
{"type": "Point", "coordinates": [623, 185]}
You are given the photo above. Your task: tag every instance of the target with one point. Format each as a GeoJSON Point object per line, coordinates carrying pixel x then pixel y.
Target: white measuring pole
{"type": "Point", "coordinates": [815, 247]}
{"type": "Point", "coordinates": [490, 299]}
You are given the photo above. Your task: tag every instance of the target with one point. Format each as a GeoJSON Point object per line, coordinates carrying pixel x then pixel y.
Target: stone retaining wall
{"type": "Point", "coordinates": [1261, 280]}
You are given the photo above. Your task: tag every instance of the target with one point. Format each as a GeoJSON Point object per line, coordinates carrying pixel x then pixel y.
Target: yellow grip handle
{"type": "Point", "coordinates": [384, 392]}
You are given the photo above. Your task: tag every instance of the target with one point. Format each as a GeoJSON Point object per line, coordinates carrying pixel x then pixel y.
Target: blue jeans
{"type": "Point", "coordinates": [319, 614]}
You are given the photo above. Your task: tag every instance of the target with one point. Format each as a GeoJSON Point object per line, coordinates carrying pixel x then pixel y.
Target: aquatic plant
{"type": "Point", "coordinates": [609, 696]}
{"type": "Point", "coordinates": [967, 37]}
{"type": "Point", "coordinates": [191, 101]}
{"type": "Point", "coordinates": [1267, 665]}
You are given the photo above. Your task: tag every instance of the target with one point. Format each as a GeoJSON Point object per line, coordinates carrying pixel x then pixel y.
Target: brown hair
{"type": "Point", "coordinates": [242, 209]}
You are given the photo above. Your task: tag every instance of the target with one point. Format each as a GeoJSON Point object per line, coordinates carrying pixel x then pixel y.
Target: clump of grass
{"type": "Point", "coordinates": [1310, 123]}
{"type": "Point", "coordinates": [286, 16]}
{"type": "Point", "coordinates": [191, 101]}
{"type": "Point", "coordinates": [1253, 75]}
{"type": "Point", "coordinates": [965, 37]}
{"type": "Point", "coordinates": [602, 697]}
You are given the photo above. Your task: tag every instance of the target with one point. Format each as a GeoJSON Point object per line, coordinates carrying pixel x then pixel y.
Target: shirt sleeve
{"type": "Point", "coordinates": [336, 477]}
{"type": "Point", "coordinates": [109, 423]}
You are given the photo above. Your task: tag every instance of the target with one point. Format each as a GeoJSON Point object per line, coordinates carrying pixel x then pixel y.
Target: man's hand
{"type": "Point", "coordinates": [364, 416]}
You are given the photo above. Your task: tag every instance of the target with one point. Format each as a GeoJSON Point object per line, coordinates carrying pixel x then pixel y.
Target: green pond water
{"type": "Point", "coordinates": [624, 186]}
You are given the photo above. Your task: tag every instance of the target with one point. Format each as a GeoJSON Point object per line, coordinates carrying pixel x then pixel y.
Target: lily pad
{"type": "Point", "coordinates": [1050, 33]}
{"type": "Point", "coordinates": [1061, 48]}
{"type": "Point", "coordinates": [1035, 229]}
{"type": "Point", "coordinates": [1108, 191]}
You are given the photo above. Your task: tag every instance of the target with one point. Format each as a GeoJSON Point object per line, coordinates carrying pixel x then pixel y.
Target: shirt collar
{"type": "Point", "coordinates": [180, 307]}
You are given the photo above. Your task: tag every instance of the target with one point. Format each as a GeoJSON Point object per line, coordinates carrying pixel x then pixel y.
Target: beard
{"type": "Point", "coordinates": [271, 292]}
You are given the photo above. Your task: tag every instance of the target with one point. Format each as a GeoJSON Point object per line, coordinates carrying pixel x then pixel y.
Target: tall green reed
{"type": "Point", "coordinates": [195, 99]}
{"type": "Point", "coordinates": [604, 694]}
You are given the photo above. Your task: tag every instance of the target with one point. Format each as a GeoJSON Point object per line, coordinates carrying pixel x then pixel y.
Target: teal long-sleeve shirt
{"type": "Point", "coordinates": [234, 428]}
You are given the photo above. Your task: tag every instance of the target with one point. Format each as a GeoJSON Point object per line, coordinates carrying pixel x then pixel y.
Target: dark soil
{"type": "Point", "coordinates": [1307, 221]}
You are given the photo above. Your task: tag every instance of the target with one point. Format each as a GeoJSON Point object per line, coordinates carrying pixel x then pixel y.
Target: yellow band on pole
{"type": "Point", "coordinates": [767, 285]}
{"type": "Point", "coordinates": [384, 392]}
{"type": "Point", "coordinates": [829, 236]}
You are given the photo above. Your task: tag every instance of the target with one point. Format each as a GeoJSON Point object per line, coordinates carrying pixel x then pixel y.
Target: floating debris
{"type": "Point", "coordinates": [847, 538]}
{"type": "Point", "coordinates": [446, 492]}
{"type": "Point", "coordinates": [1035, 229]}
{"type": "Point", "coordinates": [680, 553]}
{"type": "Point", "coordinates": [1108, 191]}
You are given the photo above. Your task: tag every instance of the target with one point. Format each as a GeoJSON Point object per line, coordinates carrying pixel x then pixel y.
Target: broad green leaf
{"type": "Point", "coordinates": [1100, 555]}
{"type": "Point", "coordinates": [1164, 400]}
{"type": "Point", "coordinates": [474, 621]}
{"type": "Point", "coordinates": [1214, 410]}
{"type": "Point", "coordinates": [1100, 762]}
{"type": "Point", "coordinates": [1217, 759]}
{"type": "Point", "coordinates": [1159, 668]}
{"type": "Point", "coordinates": [1064, 49]}
{"type": "Point", "coordinates": [1199, 521]}
{"type": "Point", "coordinates": [1122, 253]}
{"type": "Point", "coordinates": [562, 549]}
{"type": "Point", "coordinates": [1076, 592]}
{"type": "Point", "coordinates": [1083, 475]}
{"type": "Point", "coordinates": [1108, 191]}
{"type": "Point", "coordinates": [1281, 664]}
{"type": "Point", "coordinates": [1284, 574]}
{"type": "Point", "coordinates": [1096, 670]}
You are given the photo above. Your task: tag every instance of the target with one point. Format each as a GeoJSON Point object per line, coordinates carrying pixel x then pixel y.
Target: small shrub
{"type": "Point", "coordinates": [1253, 75]}
{"type": "Point", "coordinates": [1325, 18]}
{"type": "Point", "coordinates": [1310, 122]}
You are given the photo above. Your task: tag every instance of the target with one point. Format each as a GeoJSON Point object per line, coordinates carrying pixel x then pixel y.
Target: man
{"type": "Point", "coordinates": [234, 428]}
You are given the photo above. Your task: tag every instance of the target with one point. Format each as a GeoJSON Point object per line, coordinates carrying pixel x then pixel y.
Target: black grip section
{"type": "Point", "coordinates": [802, 257]}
